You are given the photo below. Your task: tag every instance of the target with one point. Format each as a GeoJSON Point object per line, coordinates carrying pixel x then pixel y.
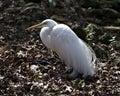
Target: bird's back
{"type": "Point", "coordinates": [62, 35]}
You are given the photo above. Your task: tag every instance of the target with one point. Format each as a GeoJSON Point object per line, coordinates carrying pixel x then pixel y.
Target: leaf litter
{"type": "Point", "coordinates": [27, 67]}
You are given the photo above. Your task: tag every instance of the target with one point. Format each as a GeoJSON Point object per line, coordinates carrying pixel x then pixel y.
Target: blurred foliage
{"type": "Point", "coordinates": [101, 4]}
{"type": "Point", "coordinates": [80, 32]}
{"type": "Point", "coordinates": [115, 58]}
{"type": "Point", "coordinates": [104, 10]}
{"type": "Point", "coordinates": [52, 3]}
{"type": "Point", "coordinates": [90, 30]}
{"type": "Point", "coordinates": [81, 82]}
{"type": "Point", "coordinates": [97, 10]}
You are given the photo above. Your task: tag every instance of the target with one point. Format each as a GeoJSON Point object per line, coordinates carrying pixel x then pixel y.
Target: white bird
{"type": "Point", "coordinates": [71, 49]}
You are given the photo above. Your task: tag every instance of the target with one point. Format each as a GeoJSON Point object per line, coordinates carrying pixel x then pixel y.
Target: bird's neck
{"type": "Point", "coordinates": [45, 36]}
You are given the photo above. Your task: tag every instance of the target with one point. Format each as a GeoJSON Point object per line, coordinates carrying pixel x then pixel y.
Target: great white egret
{"type": "Point", "coordinates": [71, 49]}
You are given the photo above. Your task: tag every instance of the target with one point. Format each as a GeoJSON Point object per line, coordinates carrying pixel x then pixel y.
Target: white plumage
{"type": "Point", "coordinates": [70, 48]}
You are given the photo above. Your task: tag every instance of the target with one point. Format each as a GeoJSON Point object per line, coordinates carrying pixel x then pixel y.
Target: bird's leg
{"type": "Point", "coordinates": [74, 74]}
{"type": "Point", "coordinates": [64, 73]}
{"type": "Point", "coordinates": [66, 70]}
{"type": "Point", "coordinates": [62, 61]}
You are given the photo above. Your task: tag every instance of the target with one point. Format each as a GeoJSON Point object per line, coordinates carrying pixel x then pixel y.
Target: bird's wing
{"type": "Point", "coordinates": [62, 40]}
{"type": "Point", "coordinates": [62, 35]}
{"type": "Point", "coordinates": [72, 49]}
{"type": "Point", "coordinates": [65, 39]}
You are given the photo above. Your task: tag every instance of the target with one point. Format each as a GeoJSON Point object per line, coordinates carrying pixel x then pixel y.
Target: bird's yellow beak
{"type": "Point", "coordinates": [34, 26]}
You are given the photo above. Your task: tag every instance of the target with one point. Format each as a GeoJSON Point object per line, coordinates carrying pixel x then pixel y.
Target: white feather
{"type": "Point", "coordinates": [72, 50]}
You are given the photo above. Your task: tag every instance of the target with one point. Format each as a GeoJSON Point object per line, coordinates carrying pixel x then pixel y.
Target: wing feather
{"type": "Point", "coordinates": [72, 49]}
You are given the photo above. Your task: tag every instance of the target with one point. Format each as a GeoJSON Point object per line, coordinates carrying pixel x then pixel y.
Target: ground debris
{"type": "Point", "coordinates": [27, 67]}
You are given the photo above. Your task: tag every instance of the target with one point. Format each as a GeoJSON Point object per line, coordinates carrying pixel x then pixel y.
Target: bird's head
{"type": "Point", "coordinates": [46, 23]}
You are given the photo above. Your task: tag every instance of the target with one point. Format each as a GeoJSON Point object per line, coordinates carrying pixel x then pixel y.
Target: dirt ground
{"type": "Point", "coordinates": [26, 65]}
